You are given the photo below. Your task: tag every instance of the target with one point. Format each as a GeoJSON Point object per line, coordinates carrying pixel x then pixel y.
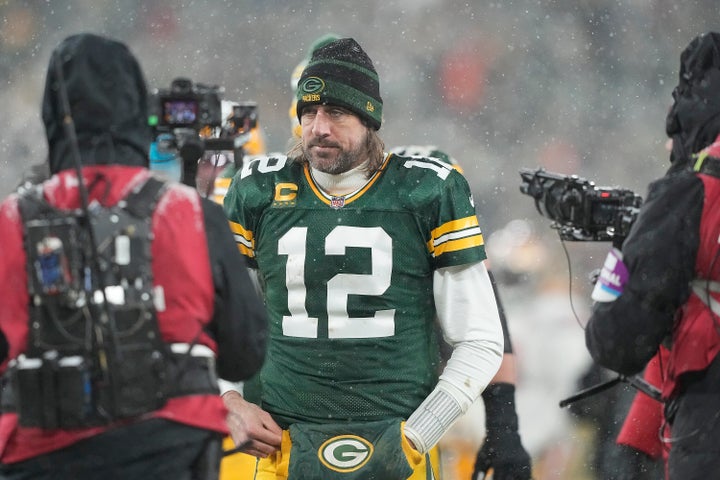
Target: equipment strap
{"type": "Point", "coordinates": [702, 288]}
{"type": "Point", "coordinates": [141, 201]}
{"type": "Point", "coordinates": [707, 164]}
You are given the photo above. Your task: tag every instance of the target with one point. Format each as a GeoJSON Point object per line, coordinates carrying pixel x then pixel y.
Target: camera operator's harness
{"type": "Point", "coordinates": [93, 359]}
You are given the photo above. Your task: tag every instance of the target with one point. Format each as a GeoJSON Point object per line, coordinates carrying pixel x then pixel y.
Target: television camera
{"type": "Point", "coordinates": [580, 210]}
{"type": "Point", "coordinates": [192, 114]}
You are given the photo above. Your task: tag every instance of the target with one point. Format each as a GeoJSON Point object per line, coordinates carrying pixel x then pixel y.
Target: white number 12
{"type": "Point", "coordinates": [340, 324]}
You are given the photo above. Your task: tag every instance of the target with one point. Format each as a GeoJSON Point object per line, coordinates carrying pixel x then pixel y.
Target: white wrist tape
{"type": "Point", "coordinates": [429, 422]}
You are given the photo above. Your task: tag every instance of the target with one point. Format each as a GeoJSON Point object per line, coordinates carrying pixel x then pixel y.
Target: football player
{"type": "Point", "coordinates": [359, 252]}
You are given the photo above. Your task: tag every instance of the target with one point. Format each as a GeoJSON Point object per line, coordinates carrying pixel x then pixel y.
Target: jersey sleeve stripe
{"type": "Point", "coordinates": [244, 249]}
{"type": "Point", "coordinates": [238, 229]}
{"type": "Point", "coordinates": [244, 239]}
{"type": "Point", "coordinates": [456, 235]}
{"type": "Point", "coordinates": [459, 244]}
{"type": "Point", "coordinates": [454, 225]}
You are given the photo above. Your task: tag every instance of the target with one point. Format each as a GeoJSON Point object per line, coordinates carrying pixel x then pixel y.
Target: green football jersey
{"type": "Point", "coordinates": [348, 282]}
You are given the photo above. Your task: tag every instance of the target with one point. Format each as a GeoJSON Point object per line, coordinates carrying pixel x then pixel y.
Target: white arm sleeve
{"type": "Point", "coordinates": [470, 322]}
{"type": "Point", "coordinates": [227, 386]}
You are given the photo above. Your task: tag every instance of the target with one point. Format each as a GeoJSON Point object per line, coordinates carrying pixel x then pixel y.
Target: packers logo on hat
{"type": "Point", "coordinates": [312, 85]}
{"type": "Point", "coordinates": [340, 73]}
{"type": "Point", "coordinates": [311, 88]}
{"type": "Point", "coordinates": [345, 453]}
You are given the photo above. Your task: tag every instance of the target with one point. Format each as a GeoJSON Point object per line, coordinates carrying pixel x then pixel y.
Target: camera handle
{"type": "Point", "coordinates": [634, 381]}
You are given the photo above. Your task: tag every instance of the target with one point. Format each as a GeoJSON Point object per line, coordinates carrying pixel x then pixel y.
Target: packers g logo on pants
{"type": "Point", "coordinates": [345, 453]}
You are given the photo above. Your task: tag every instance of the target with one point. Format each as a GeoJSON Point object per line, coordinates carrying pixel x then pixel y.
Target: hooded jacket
{"type": "Point", "coordinates": [693, 121]}
{"type": "Point", "coordinates": [209, 299]}
{"type": "Point", "coordinates": [108, 101]}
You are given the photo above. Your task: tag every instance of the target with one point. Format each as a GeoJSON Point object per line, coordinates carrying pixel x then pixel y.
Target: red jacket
{"type": "Point", "coordinates": [180, 264]}
{"type": "Point", "coordinates": [695, 340]}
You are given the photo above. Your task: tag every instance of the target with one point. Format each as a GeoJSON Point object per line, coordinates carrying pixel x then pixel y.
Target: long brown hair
{"type": "Point", "coordinates": [374, 147]}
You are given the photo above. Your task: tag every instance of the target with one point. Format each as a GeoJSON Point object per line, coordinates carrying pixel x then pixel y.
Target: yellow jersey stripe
{"type": "Point", "coordinates": [459, 244]}
{"type": "Point", "coordinates": [458, 239]}
{"type": "Point", "coordinates": [454, 225]}
{"type": "Point", "coordinates": [245, 250]}
{"type": "Point", "coordinates": [238, 229]}
{"type": "Point", "coordinates": [244, 238]}
{"type": "Point", "coordinates": [456, 235]}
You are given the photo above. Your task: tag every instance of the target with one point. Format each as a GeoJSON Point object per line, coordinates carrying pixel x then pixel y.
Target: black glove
{"type": "Point", "coordinates": [502, 450]}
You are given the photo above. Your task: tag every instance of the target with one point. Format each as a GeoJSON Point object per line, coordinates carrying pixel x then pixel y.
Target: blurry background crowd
{"type": "Point", "coordinates": [576, 86]}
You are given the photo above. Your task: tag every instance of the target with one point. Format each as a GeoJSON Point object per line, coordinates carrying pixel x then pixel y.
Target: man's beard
{"type": "Point", "coordinates": [344, 161]}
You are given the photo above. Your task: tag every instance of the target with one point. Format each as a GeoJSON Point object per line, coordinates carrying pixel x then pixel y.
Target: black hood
{"type": "Point", "coordinates": [108, 102]}
{"type": "Point", "coordinates": [693, 121]}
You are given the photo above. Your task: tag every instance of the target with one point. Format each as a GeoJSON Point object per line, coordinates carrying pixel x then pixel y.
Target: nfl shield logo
{"type": "Point", "coordinates": [337, 202]}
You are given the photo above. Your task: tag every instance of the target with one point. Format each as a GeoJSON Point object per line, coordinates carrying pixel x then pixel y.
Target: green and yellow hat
{"type": "Point", "coordinates": [341, 73]}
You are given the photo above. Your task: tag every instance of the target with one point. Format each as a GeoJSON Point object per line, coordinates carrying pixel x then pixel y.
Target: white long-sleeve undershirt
{"type": "Point", "coordinates": [470, 322]}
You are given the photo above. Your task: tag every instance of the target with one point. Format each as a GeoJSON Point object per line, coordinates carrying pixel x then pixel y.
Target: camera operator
{"type": "Point", "coordinates": [663, 285]}
{"type": "Point", "coordinates": [122, 296]}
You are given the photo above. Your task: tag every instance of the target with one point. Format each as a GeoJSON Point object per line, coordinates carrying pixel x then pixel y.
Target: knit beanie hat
{"type": "Point", "coordinates": [341, 73]}
{"type": "Point", "coordinates": [295, 127]}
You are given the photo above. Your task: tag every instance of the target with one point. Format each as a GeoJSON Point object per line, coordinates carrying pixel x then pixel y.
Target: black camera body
{"type": "Point", "coordinates": [580, 210]}
{"type": "Point", "coordinates": [191, 117]}
{"type": "Point", "coordinates": [186, 105]}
